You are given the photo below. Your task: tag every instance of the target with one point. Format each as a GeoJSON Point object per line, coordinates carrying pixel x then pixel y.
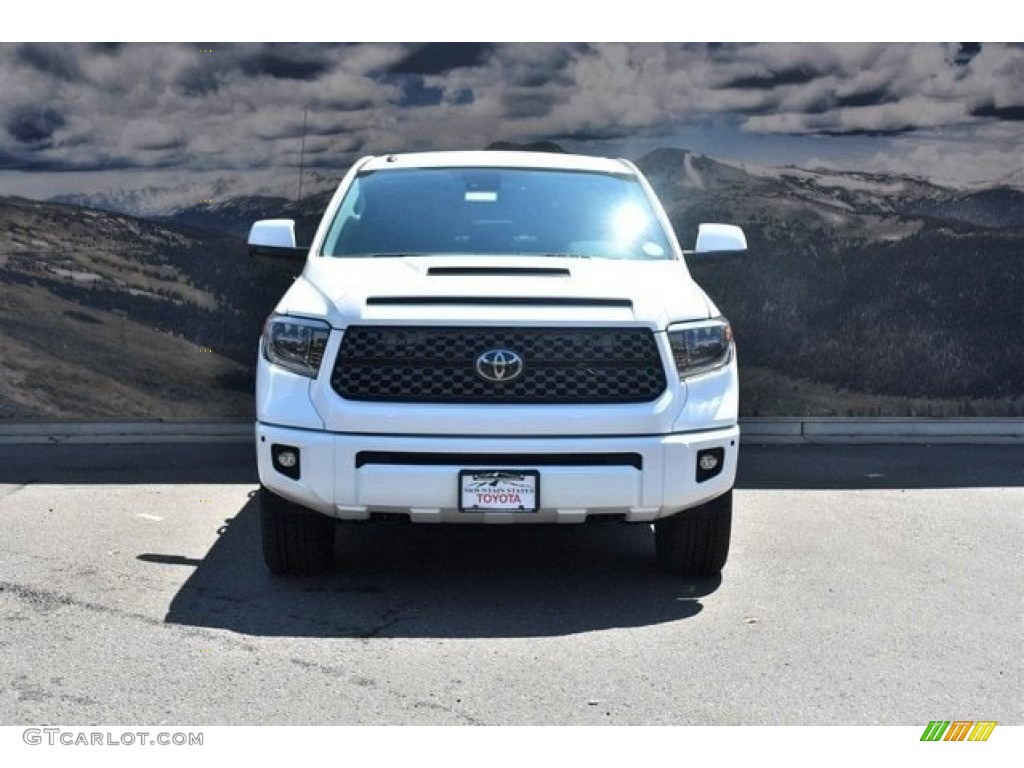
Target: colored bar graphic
{"type": "Point", "coordinates": [982, 730]}
{"type": "Point", "coordinates": [935, 730]}
{"type": "Point", "coordinates": [958, 730]}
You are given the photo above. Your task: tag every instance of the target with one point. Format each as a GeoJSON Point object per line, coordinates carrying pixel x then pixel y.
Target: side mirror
{"type": "Point", "coordinates": [720, 240]}
{"type": "Point", "coordinates": [275, 239]}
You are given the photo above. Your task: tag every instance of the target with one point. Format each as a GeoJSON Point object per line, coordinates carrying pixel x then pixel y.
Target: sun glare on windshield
{"type": "Point", "coordinates": [496, 212]}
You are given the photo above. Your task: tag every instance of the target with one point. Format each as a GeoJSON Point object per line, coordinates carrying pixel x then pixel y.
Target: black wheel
{"type": "Point", "coordinates": [695, 542]}
{"type": "Point", "coordinates": [296, 541]}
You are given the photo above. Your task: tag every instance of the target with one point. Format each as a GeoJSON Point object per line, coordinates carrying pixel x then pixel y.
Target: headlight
{"type": "Point", "coordinates": [701, 347]}
{"type": "Point", "coordinates": [295, 343]}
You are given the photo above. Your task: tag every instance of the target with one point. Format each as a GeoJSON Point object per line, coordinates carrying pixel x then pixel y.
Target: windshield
{"type": "Point", "coordinates": [496, 211]}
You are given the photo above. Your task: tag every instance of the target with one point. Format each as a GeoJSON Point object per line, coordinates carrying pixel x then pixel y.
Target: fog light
{"type": "Point", "coordinates": [709, 463]}
{"type": "Point", "coordinates": [286, 460]}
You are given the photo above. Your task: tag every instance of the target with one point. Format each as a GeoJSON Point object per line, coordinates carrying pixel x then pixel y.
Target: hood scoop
{"type": "Point", "coordinates": [498, 301]}
{"type": "Point", "coordinates": [498, 272]}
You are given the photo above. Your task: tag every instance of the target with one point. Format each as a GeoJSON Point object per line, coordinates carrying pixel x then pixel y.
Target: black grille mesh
{"type": "Point", "coordinates": [438, 365]}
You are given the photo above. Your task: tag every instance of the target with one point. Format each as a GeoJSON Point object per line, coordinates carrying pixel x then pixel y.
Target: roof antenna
{"type": "Point", "coordinates": [302, 152]}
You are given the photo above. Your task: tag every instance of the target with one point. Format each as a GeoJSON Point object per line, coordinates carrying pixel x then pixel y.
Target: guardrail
{"type": "Point", "coordinates": [762, 430]}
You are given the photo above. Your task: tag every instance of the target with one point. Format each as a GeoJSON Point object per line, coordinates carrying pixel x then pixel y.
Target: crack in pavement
{"type": "Point", "coordinates": [20, 487]}
{"type": "Point", "coordinates": [44, 601]}
{"type": "Point", "coordinates": [388, 618]}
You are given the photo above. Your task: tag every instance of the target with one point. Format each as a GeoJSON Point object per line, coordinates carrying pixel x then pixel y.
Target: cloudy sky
{"type": "Point", "coordinates": [81, 115]}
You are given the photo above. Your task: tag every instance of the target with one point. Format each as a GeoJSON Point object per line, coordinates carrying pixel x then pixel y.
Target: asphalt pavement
{"type": "Point", "coordinates": [866, 585]}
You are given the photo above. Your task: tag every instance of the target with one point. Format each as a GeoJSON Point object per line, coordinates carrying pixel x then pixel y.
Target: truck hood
{"type": "Point", "coordinates": [529, 290]}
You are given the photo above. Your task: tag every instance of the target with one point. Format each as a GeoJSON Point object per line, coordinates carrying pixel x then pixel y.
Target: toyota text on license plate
{"type": "Point", "coordinates": [498, 490]}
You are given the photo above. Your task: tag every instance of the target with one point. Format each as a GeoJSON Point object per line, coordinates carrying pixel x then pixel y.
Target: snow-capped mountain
{"type": "Point", "coordinates": [206, 190]}
{"type": "Point", "coordinates": [685, 180]}
{"type": "Point", "coordinates": [843, 200]}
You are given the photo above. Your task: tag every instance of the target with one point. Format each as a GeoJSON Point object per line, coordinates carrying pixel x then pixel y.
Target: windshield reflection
{"type": "Point", "coordinates": [496, 211]}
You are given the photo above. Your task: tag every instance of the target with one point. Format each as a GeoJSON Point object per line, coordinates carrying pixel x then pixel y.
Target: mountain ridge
{"type": "Point", "coordinates": [876, 285]}
{"type": "Point", "coordinates": [107, 315]}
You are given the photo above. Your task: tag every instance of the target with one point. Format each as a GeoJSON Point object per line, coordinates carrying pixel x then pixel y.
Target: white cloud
{"type": "Point", "coordinates": [241, 106]}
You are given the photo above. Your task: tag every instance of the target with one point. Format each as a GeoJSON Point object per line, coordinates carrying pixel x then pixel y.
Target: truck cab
{"type": "Point", "coordinates": [499, 338]}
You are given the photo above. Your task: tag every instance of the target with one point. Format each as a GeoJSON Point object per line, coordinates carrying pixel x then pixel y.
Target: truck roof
{"type": "Point", "coordinates": [496, 159]}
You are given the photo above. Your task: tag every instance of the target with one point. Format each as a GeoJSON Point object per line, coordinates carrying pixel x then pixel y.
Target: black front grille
{"type": "Point", "coordinates": [439, 365]}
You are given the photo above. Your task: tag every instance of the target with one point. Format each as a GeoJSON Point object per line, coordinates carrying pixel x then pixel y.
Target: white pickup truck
{"type": "Point", "coordinates": [501, 338]}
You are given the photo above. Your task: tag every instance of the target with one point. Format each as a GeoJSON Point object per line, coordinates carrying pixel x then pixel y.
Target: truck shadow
{"type": "Point", "coordinates": [445, 582]}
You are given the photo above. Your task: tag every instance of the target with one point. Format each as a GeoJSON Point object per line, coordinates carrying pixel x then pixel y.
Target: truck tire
{"type": "Point", "coordinates": [296, 541]}
{"type": "Point", "coordinates": [695, 542]}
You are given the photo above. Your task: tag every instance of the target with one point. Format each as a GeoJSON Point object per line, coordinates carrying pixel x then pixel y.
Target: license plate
{"type": "Point", "coordinates": [498, 490]}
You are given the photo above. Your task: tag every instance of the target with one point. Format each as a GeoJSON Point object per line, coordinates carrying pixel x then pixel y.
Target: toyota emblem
{"type": "Point", "coordinates": [499, 366]}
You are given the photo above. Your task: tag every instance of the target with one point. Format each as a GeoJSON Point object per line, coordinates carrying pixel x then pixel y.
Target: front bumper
{"type": "Point", "coordinates": [355, 476]}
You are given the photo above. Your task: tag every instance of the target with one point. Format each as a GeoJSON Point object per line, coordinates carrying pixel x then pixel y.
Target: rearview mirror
{"type": "Point", "coordinates": [720, 240]}
{"type": "Point", "coordinates": [275, 238]}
